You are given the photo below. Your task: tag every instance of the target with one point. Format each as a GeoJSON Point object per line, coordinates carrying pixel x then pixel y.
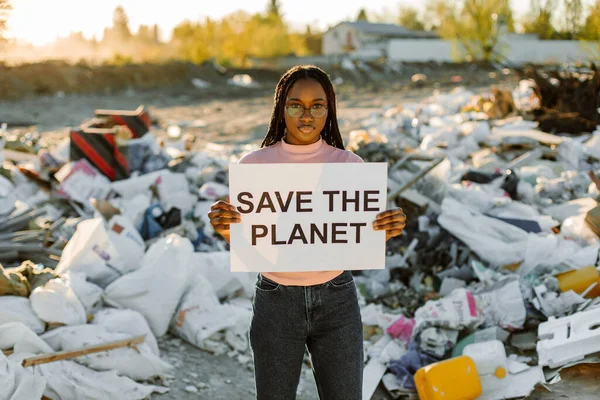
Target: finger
{"type": "Point", "coordinates": [224, 214]}
{"type": "Point", "coordinates": [390, 226]}
{"type": "Point", "coordinates": [224, 221]}
{"type": "Point", "coordinates": [391, 219]}
{"type": "Point", "coordinates": [221, 205]}
{"type": "Point", "coordinates": [388, 213]}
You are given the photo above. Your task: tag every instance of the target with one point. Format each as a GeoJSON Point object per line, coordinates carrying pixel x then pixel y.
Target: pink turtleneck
{"type": "Point", "coordinates": [282, 152]}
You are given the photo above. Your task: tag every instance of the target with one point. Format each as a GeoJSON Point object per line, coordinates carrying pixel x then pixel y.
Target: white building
{"type": "Point", "coordinates": [363, 37]}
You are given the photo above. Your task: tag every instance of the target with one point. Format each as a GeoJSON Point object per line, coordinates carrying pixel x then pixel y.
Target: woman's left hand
{"type": "Point", "coordinates": [392, 221]}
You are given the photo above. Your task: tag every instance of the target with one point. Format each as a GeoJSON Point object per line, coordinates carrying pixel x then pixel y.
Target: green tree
{"type": "Point", "coordinates": [4, 8]}
{"type": "Point", "coordinates": [408, 17]}
{"type": "Point", "coordinates": [539, 19]}
{"type": "Point", "coordinates": [573, 19]}
{"type": "Point", "coordinates": [362, 15]}
{"type": "Point", "coordinates": [591, 28]}
{"type": "Point", "coordinates": [475, 25]}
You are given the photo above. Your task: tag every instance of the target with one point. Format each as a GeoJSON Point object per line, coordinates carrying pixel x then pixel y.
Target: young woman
{"type": "Point", "coordinates": [294, 311]}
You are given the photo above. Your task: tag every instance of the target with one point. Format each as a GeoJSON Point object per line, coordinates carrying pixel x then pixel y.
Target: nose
{"type": "Point", "coordinates": [306, 115]}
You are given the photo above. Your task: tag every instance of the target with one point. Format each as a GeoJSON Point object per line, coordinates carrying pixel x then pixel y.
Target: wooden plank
{"type": "Point", "coordinates": [7, 352]}
{"type": "Point", "coordinates": [65, 355]}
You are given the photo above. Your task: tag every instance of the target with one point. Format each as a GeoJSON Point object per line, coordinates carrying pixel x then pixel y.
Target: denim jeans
{"type": "Point", "coordinates": [325, 319]}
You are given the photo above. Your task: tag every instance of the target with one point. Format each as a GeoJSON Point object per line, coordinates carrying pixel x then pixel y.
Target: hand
{"type": "Point", "coordinates": [392, 221]}
{"type": "Point", "coordinates": [221, 215]}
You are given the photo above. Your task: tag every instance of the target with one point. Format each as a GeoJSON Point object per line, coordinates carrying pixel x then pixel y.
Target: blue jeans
{"type": "Point", "coordinates": [325, 319]}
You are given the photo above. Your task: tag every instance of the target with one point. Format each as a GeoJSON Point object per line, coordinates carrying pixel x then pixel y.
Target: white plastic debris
{"type": "Point", "coordinates": [56, 302]}
{"type": "Point", "coordinates": [18, 309]}
{"type": "Point", "coordinates": [88, 293]}
{"type": "Point", "coordinates": [126, 321]}
{"type": "Point", "coordinates": [525, 97]}
{"type": "Point", "coordinates": [156, 299]}
{"type": "Point", "coordinates": [21, 339]}
{"type": "Point", "coordinates": [102, 254]}
{"type": "Point", "coordinates": [215, 267]}
{"type": "Point", "coordinates": [568, 339]}
{"type": "Point", "coordinates": [69, 380]}
{"type": "Point", "coordinates": [138, 364]}
{"type": "Point", "coordinates": [18, 383]}
{"type": "Point", "coordinates": [213, 191]}
{"type": "Point", "coordinates": [200, 84]}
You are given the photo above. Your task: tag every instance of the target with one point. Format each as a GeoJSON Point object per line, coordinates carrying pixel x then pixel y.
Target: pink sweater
{"type": "Point", "coordinates": [282, 152]}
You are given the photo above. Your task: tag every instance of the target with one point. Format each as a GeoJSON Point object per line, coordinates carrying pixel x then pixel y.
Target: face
{"type": "Point", "coordinates": [304, 128]}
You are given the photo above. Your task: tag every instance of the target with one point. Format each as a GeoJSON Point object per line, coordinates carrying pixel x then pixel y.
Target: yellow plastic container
{"type": "Point", "coordinates": [453, 379]}
{"type": "Point", "coordinates": [579, 280]}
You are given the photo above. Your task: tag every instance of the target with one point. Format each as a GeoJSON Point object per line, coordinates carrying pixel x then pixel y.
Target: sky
{"type": "Point", "coordinates": [42, 21]}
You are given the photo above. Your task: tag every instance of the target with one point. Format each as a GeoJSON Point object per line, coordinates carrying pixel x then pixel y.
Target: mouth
{"type": "Point", "coordinates": [306, 128]}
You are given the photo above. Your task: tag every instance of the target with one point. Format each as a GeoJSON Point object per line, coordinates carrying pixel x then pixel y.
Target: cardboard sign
{"type": "Point", "coordinates": [307, 217]}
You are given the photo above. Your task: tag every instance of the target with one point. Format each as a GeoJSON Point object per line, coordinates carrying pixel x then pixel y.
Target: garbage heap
{"type": "Point", "coordinates": [106, 245]}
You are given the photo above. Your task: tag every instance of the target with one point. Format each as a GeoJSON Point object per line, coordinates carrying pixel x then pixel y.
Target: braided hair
{"type": "Point", "coordinates": [330, 133]}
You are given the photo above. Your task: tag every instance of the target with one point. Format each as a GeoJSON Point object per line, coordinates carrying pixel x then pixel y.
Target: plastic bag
{"type": "Point", "coordinates": [215, 267]}
{"type": "Point", "coordinates": [503, 305]}
{"type": "Point", "coordinates": [200, 315]}
{"type": "Point", "coordinates": [138, 364]}
{"type": "Point", "coordinates": [18, 309]}
{"type": "Point", "coordinates": [456, 312]}
{"type": "Point", "coordinates": [213, 191]}
{"type": "Point", "coordinates": [126, 321]}
{"type": "Point", "coordinates": [18, 383]}
{"type": "Point", "coordinates": [493, 240]}
{"type": "Point", "coordinates": [69, 380]}
{"type": "Point", "coordinates": [20, 338]}
{"type": "Point", "coordinates": [88, 293]}
{"type": "Point", "coordinates": [55, 302]}
{"type": "Point", "coordinates": [101, 255]}
{"type": "Point", "coordinates": [155, 289]}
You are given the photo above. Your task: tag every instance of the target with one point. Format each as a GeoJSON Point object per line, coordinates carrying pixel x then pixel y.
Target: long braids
{"type": "Point", "coordinates": [330, 133]}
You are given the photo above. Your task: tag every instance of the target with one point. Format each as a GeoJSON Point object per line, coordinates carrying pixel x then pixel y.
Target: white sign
{"type": "Point", "coordinates": [307, 217]}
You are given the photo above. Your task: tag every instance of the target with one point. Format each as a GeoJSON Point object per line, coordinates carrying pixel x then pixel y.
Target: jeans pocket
{"type": "Point", "coordinates": [266, 285]}
{"type": "Point", "coordinates": [345, 279]}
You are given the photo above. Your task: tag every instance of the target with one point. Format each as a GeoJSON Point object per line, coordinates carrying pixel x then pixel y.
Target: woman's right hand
{"type": "Point", "coordinates": [221, 215]}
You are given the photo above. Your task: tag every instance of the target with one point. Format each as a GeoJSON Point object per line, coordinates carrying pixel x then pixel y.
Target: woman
{"type": "Point", "coordinates": [319, 310]}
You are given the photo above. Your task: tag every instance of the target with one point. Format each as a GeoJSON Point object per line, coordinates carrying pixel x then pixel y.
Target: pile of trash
{"type": "Point", "coordinates": [106, 245]}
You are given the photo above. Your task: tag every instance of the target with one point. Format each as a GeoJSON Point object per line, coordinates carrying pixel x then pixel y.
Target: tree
{"type": "Point", "coordinates": [156, 33]}
{"type": "Point", "coordinates": [145, 34]}
{"type": "Point", "coordinates": [573, 20]}
{"type": "Point", "coordinates": [313, 41]}
{"type": "Point", "coordinates": [121, 24]}
{"type": "Point", "coordinates": [591, 28]}
{"type": "Point", "coordinates": [362, 15]}
{"type": "Point", "coordinates": [476, 25]}
{"type": "Point", "coordinates": [539, 20]}
{"type": "Point", "coordinates": [274, 8]}
{"type": "Point", "coordinates": [408, 17]}
{"type": "Point", "coordinates": [4, 8]}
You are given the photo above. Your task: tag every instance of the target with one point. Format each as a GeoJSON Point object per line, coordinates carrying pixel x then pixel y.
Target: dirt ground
{"type": "Point", "coordinates": [233, 120]}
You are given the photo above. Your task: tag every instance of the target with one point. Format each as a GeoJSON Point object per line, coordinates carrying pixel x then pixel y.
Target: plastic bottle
{"type": "Point", "coordinates": [579, 280]}
{"type": "Point", "coordinates": [453, 379]}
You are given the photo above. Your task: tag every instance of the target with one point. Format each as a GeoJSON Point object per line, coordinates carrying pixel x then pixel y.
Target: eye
{"type": "Point", "coordinates": [318, 106]}
{"type": "Point", "coordinates": [296, 106]}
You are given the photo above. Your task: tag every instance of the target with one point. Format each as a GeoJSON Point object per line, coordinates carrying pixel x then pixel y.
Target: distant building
{"type": "Point", "coordinates": [366, 37]}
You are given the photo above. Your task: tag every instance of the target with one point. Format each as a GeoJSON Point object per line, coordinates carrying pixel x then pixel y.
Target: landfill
{"type": "Point", "coordinates": [492, 291]}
